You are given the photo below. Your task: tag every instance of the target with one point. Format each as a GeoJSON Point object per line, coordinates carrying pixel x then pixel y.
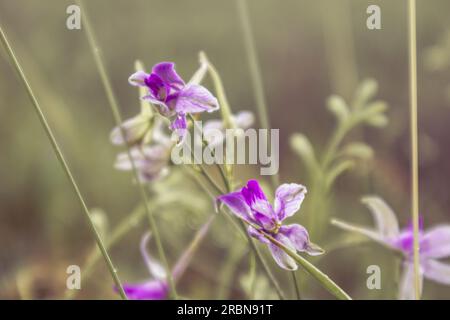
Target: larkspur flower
{"type": "Point", "coordinates": [157, 287]}
{"type": "Point", "coordinates": [251, 205]}
{"type": "Point", "coordinates": [173, 98]}
{"type": "Point", "coordinates": [152, 160]}
{"type": "Point", "coordinates": [434, 244]}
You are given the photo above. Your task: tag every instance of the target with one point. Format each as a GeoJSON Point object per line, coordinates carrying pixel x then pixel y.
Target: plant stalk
{"type": "Point", "coordinates": [63, 162]}
{"type": "Point", "coordinates": [118, 118]}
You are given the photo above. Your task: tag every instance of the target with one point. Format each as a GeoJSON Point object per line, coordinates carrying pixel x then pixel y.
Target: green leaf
{"type": "Point", "coordinates": [337, 170]}
{"type": "Point", "coordinates": [358, 150]}
{"type": "Point", "coordinates": [365, 91]}
{"type": "Point", "coordinates": [378, 121]}
{"type": "Point", "coordinates": [220, 92]}
{"type": "Point", "coordinates": [301, 145]}
{"type": "Point", "coordinates": [371, 110]}
{"type": "Point", "coordinates": [338, 107]}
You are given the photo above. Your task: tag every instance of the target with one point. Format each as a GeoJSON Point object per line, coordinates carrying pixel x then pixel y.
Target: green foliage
{"type": "Point", "coordinates": [339, 155]}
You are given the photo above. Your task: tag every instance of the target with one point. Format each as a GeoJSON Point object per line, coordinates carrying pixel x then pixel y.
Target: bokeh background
{"type": "Point", "coordinates": [307, 51]}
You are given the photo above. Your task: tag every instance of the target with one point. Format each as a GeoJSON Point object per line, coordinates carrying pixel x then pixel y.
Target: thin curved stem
{"type": "Point", "coordinates": [414, 140]}
{"type": "Point", "coordinates": [296, 286]}
{"type": "Point", "coordinates": [118, 118]}
{"type": "Point", "coordinates": [321, 277]}
{"type": "Point", "coordinates": [63, 163]}
{"type": "Point", "coordinates": [255, 73]}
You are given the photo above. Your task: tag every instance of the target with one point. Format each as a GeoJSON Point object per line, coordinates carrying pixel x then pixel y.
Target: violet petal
{"type": "Point", "coordinates": [281, 257]}
{"type": "Point", "coordinates": [437, 271]}
{"type": "Point", "coordinates": [288, 199]}
{"type": "Point", "coordinates": [149, 290]}
{"type": "Point", "coordinates": [195, 99]}
{"type": "Point", "coordinates": [435, 243]}
{"type": "Point", "coordinates": [237, 204]}
{"type": "Point", "coordinates": [166, 71]}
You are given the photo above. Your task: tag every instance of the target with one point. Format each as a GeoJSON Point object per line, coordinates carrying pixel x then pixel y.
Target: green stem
{"type": "Point", "coordinates": [296, 286]}
{"type": "Point", "coordinates": [414, 140]}
{"type": "Point", "coordinates": [118, 118]}
{"type": "Point", "coordinates": [63, 162]}
{"type": "Point", "coordinates": [322, 278]}
{"type": "Point", "coordinates": [263, 262]}
{"type": "Point", "coordinates": [255, 249]}
{"type": "Point", "coordinates": [205, 145]}
{"type": "Point", "coordinates": [331, 149]}
{"type": "Point", "coordinates": [128, 223]}
{"type": "Point", "coordinates": [255, 73]}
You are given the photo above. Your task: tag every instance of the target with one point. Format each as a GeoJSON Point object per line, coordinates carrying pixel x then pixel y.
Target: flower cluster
{"type": "Point", "coordinates": [145, 134]}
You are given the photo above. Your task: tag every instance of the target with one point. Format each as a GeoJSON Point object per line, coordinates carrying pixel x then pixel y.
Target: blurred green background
{"type": "Point", "coordinates": [307, 51]}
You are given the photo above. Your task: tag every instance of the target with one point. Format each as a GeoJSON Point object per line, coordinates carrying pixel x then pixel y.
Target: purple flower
{"type": "Point", "coordinates": [251, 205]}
{"type": "Point", "coordinates": [173, 98]}
{"type": "Point", "coordinates": [434, 244]}
{"type": "Point", "coordinates": [156, 288]}
{"type": "Point", "coordinates": [152, 160]}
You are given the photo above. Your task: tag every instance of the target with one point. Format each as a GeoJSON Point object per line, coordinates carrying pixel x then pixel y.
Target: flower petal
{"type": "Point", "coordinates": [385, 219]}
{"type": "Point", "coordinates": [194, 99]}
{"type": "Point", "coordinates": [288, 199]}
{"type": "Point", "coordinates": [166, 71]}
{"type": "Point", "coordinates": [149, 290]}
{"type": "Point", "coordinates": [244, 119]}
{"type": "Point", "coordinates": [138, 78]}
{"type": "Point", "coordinates": [435, 243]}
{"type": "Point", "coordinates": [237, 204]}
{"type": "Point", "coordinates": [437, 271]}
{"type": "Point", "coordinates": [257, 235]}
{"type": "Point", "coordinates": [150, 161]}
{"type": "Point", "coordinates": [161, 106]}
{"type": "Point", "coordinates": [372, 234]}
{"type": "Point", "coordinates": [133, 129]}
{"type": "Point", "coordinates": [299, 237]}
{"type": "Point", "coordinates": [252, 192]}
{"type": "Point", "coordinates": [256, 199]}
{"type": "Point", "coordinates": [179, 127]}
{"type": "Point", "coordinates": [281, 257]}
{"type": "Point", "coordinates": [158, 88]}
{"type": "Point", "coordinates": [154, 267]}
{"type": "Point", "coordinates": [406, 289]}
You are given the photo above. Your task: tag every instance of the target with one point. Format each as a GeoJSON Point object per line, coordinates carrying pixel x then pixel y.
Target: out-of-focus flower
{"type": "Point", "coordinates": [251, 205]}
{"type": "Point", "coordinates": [173, 98]}
{"type": "Point", "coordinates": [157, 288]}
{"type": "Point", "coordinates": [241, 120]}
{"type": "Point", "coordinates": [135, 131]}
{"type": "Point", "coordinates": [434, 244]}
{"type": "Point", "coordinates": [151, 161]}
